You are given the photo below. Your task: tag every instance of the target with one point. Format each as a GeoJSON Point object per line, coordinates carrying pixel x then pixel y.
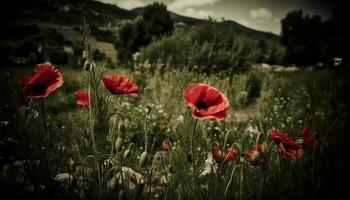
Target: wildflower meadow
{"type": "Point", "coordinates": [149, 129]}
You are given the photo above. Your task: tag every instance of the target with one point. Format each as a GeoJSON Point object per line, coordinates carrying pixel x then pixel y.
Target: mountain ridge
{"type": "Point", "coordinates": [99, 14]}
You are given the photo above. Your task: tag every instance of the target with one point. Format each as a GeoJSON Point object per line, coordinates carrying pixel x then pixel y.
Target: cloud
{"type": "Point", "coordinates": [260, 14]}
{"type": "Point", "coordinates": [126, 4]}
{"type": "Point", "coordinates": [130, 4]}
{"type": "Point", "coordinates": [201, 14]}
{"type": "Point", "coordinates": [179, 4]}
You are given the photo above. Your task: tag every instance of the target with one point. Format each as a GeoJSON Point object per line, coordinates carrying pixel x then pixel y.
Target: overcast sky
{"type": "Point", "coordinates": [262, 15]}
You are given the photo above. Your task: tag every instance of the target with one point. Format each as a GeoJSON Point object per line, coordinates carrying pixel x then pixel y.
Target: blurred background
{"type": "Point", "coordinates": [211, 35]}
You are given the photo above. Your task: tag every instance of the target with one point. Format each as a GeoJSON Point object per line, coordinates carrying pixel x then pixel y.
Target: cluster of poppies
{"type": "Point", "coordinates": [47, 78]}
{"type": "Point", "coordinates": [116, 85]}
{"type": "Point", "coordinates": [205, 101]}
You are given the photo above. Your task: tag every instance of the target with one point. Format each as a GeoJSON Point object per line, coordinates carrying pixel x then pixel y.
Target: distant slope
{"type": "Point", "coordinates": [66, 12]}
{"type": "Point", "coordinates": [233, 26]}
{"type": "Point", "coordinates": [72, 12]}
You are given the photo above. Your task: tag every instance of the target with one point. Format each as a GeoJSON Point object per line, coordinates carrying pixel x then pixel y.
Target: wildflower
{"type": "Point", "coordinates": [308, 137]}
{"type": "Point", "coordinates": [82, 98]}
{"type": "Point", "coordinates": [221, 157]}
{"type": "Point", "coordinates": [119, 85]}
{"type": "Point", "coordinates": [46, 79]}
{"type": "Point", "coordinates": [287, 148]}
{"type": "Point", "coordinates": [256, 155]}
{"type": "Point", "coordinates": [206, 102]}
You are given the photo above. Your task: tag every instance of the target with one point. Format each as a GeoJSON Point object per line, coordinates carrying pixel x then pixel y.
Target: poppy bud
{"type": "Point", "coordinates": [71, 163]}
{"type": "Point", "coordinates": [118, 144]}
{"type": "Point", "coordinates": [143, 159]}
{"type": "Point", "coordinates": [87, 65]}
{"type": "Point", "coordinates": [148, 110]}
{"type": "Point", "coordinates": [255, 156]}
{"type": "Point", "coordinates": [300, 140]}
{"type": "Point", "coordinates": [85, 54]}
{"type": "Point", "coordinates": [127, 153]}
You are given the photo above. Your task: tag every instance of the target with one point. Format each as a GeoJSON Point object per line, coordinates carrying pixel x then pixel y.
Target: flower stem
{"type": "Point", "coordinates": [146, 134]}
{"type": "Point", "coordinates": [46, 137]}
{"type": "Point", "coordinates": [91, 118]}
{"type": "Point", "coordinates": [193, 145]}
{"type": "Point", "coordinates": [44, 121]}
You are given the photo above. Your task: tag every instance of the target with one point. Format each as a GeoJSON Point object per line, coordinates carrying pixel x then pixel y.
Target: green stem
{"type": "Point", "coordinates": [241, 183]}
{"type": "Point", "coordinates": [46, 136]}
{"type": "Point", "coordinates": [28, 116]}
{"type": "Point", "coordinates": [91, 118]}
{"type": "Point", "coordinates": [193, 145]}
{"type": "Point", "coordinates": [146, 135]}
{"type": "Point", "coordinates": [44, 121]}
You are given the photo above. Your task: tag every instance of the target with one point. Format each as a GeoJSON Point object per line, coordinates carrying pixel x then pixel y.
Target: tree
{"type": "Point", "coordinates": [157, 20]}
{"type": "Point", "coordinates": [309, 40]}
{"type": "Point", "coordinates": [154, 23]}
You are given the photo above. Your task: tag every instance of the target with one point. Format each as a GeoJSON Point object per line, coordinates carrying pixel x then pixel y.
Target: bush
{"type": "Point", "coordinates": [254, 86]}
{"type": "Point", "coordinates": [59, 57]}
{"type": "Point", "coordinates": [211, 52]}
{"type": "Point", "coordinates": [154, 23]}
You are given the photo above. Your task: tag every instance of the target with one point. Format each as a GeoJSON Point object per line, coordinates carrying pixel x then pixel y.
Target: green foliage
{"type": "Point", "coordinates": [154, 23]}
{"type": "Point", "coordinates": [157, 20]}
{"type": "Point", "coordinates": [211, 51]}
{"type": "Point", "coordinates": [308, 39]}
{"type": "Point", "coordinates": [253, 85]}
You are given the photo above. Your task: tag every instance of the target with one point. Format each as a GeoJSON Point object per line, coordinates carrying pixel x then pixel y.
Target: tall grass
{"type": "Point", "coordinates": [287, 102]}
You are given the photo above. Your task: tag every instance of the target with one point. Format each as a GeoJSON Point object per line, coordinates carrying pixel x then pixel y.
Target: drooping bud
{"type": "Point", "coordinates": [71, 163]}
{"type": "Point", "coordinates": [118, 144]}
{"type": "Point", "coordinates": [87, 65]}
{"type": "Point", "coordinates": [147, 110]}
{"type": "Point", "coordinates": [300, 140]}
{"type": "Point", "coordinates": [143, 159]}
{"type": "Point", "coordinates": [128, 151]}
{"type": "Point", "coordinates": [255, 157]}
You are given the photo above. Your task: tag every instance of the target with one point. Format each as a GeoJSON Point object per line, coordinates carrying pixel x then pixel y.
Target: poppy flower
{"type": "Point", "coordinates": [206, 102]}
{"type": "Point", "coordinates": [82, 98]}
{"type": "Point", "coordinates": [221, 157]}
{"type": "Point", "coordinates": [119, 85]}
{"type": "Point", "coordinates": [287, 148]}
{"type": "Point", "coordinates": [256, 155]}
{"type": "Point", "coordinates": [46, 79]}
{"type": "Point", "coordinates": [165, 145]}
{"type": "Point", "coordinates": [308, 137]}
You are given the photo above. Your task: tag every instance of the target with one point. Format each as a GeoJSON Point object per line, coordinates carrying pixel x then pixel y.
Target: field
{"type": "Point", "coordinates": [102, 102]}
{"type": "Point", "coordinates": [84, 152]}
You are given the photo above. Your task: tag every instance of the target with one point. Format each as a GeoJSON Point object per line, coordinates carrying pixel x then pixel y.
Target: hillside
{"type": "Point", "coordinates": [64, 17]}
{"type": "Point", "coordinates": [233, 26]}
{"type": "Point", "coordinates": [99, 14]}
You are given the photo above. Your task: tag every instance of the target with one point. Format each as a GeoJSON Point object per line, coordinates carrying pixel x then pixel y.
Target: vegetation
{"type": "Point", "coordinates": [183, 116]}
{"type": "Point", "coordinates": [310, 40]}
{"type": "Point", "coordinates": [154, 23]}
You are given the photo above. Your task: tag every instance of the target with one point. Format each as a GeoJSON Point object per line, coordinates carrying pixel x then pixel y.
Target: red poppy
{"type": "Point", "coordinates": [165, 145]}
{"type": "Point", "coordinates": [46, 79]}
{"type": "Point", "coordinates": [256, 155]}
{"type": "Point", "coordinates": [287, 148]}
{"type": "Point", "coordinates": [308, 137]}
{"type": "Point", "coordinates": [82, 98]}
{"type": "Point", "coordinates": [221, 157]}
{"type": "Point", "coordinates": [206, 102]}
{"type": "Point", "coordinates": [119, 85]}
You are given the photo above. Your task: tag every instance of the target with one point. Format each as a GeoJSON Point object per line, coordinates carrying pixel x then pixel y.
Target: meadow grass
{"type": "Point", "coordinates": [286, 101]}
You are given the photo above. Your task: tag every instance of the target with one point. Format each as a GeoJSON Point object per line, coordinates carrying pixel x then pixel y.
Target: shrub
{"type": "Point", "coordinates": [254, 86]}
{"type": "Point", "coordinates": [58, 57]}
